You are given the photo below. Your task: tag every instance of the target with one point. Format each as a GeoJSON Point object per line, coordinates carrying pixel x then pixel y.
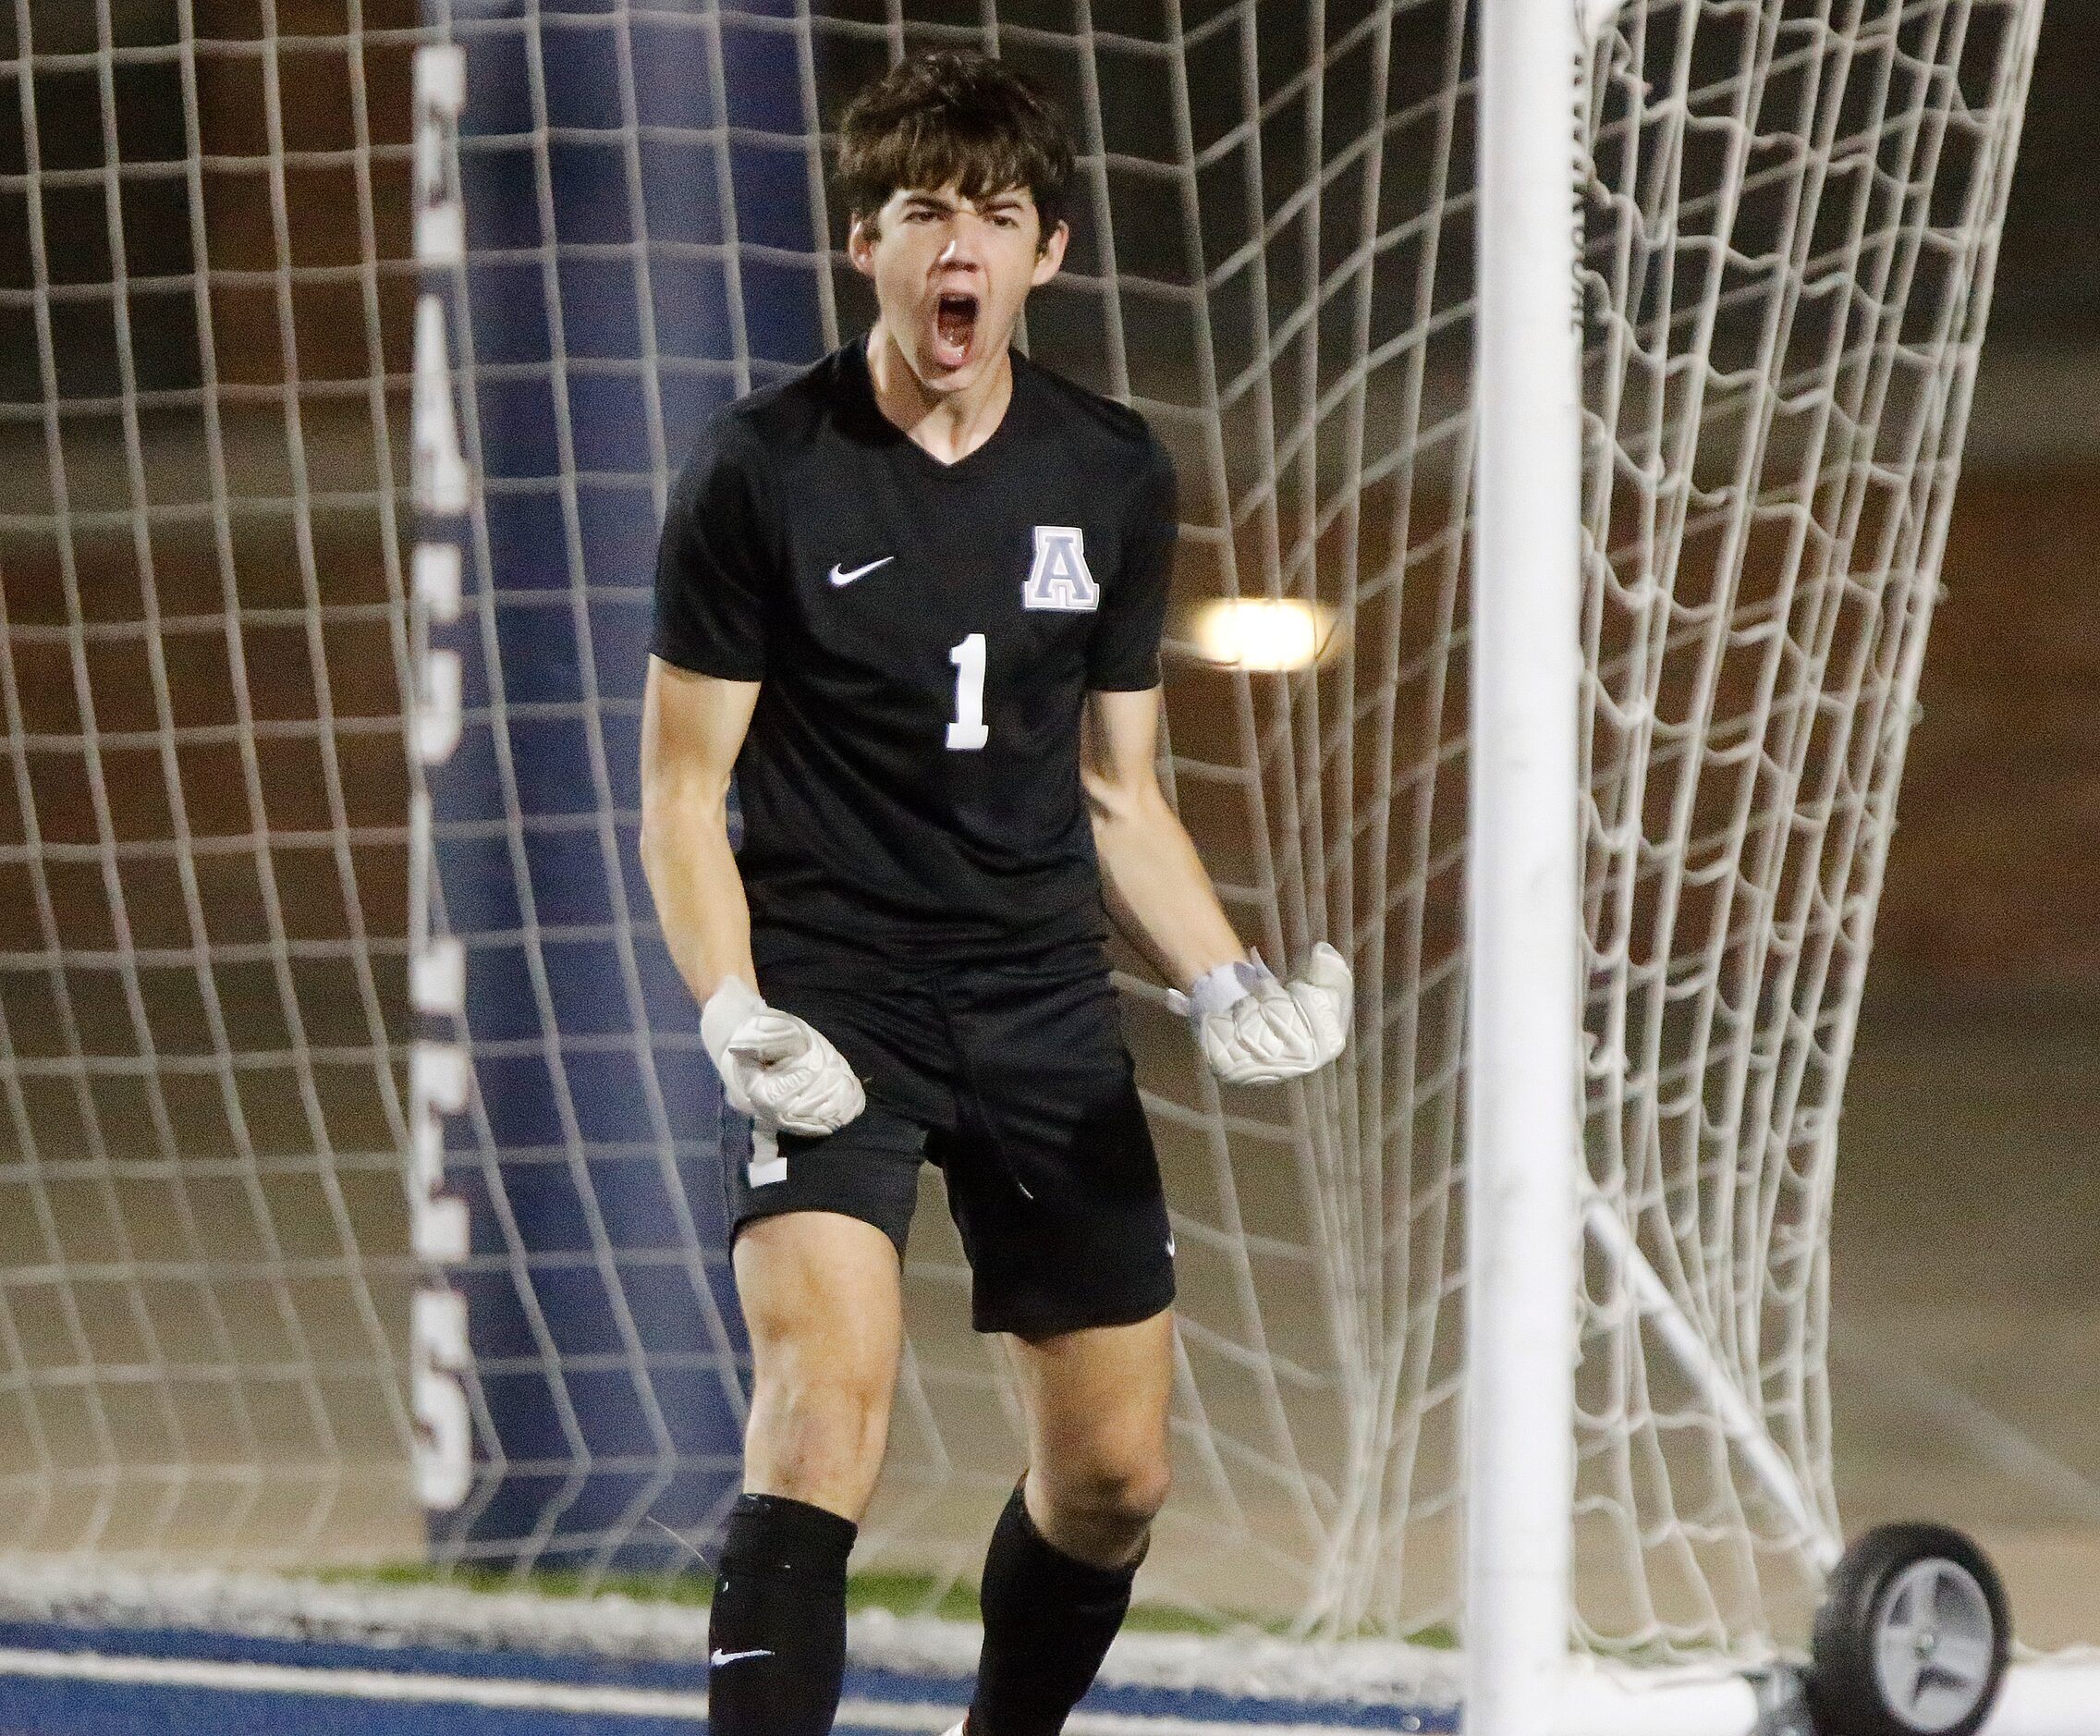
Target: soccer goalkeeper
{"type": "Point", "coordinates": [911, 598]}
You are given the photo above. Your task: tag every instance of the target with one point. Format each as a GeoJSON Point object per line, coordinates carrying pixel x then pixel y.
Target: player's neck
{"type": "Point", "coordinates": [948, 426]}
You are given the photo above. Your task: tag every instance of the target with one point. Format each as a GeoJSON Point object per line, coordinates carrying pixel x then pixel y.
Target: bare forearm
{"type": "Point", "coordinates": [692, 729]}
{"type": "Point", "coordinates": [700, 895]}
{"type": "Point", "coordinates": [1157, 890]}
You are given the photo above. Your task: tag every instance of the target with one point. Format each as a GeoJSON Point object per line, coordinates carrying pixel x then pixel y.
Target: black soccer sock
{"type": "Point", "coordinates": [1048, 1622]}
{"type": "Point", "coordinates": [777, 1632]}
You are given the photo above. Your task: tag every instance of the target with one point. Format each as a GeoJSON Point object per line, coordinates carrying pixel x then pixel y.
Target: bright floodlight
{"type": "Point", "coordinates": [1262, 632]}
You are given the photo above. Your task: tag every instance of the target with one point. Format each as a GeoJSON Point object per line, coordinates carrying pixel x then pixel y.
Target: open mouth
{"type": "Point", "coordinates": [955, 325]}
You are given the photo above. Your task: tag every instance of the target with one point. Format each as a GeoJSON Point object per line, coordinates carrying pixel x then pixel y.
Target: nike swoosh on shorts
{"type": "Point", "coordinates": [839, 577]}
{"type": "Point", "coordinates": [719, 1658]}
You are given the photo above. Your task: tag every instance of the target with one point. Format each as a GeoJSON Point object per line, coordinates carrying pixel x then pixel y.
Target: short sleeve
{"type": "Point", "coordinates": [713, 562]}
{"type": "Point", "coordinates": [1124, 653]}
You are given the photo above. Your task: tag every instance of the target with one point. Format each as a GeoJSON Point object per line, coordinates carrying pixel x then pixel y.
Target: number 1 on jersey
{"type": "Point", "coordinates": [968, 731]}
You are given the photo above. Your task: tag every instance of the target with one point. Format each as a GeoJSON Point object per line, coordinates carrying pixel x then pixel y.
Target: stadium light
{"type": "Point", "coordinates": [1281, 633]}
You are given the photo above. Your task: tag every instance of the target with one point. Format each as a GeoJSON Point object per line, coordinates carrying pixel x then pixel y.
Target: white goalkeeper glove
{"type": "Point", "coordinates": [1256, 1031]}
{"type": "Point", "coordinates": [780, 1070]}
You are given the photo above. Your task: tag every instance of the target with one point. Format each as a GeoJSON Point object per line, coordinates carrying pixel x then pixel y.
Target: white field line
{"type": "Point", "coordinates": [511, 1694]}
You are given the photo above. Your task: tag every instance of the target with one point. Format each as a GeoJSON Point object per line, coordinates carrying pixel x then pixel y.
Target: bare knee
{"type": "Point", "coordinates": [1128, 1494]}
{"type": "Point", "coordinates": [817, 1436]}
{"type": "Point", "coordinates": [1101, 1511]}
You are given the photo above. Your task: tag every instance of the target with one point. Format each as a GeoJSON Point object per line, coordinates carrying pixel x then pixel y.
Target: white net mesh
{"type": "Point", "coordinates": [203, 835]}
{"type": "Point", "coordinates": [1788, 271]}
{"type": "Point", "coordinates": [1790, 214]}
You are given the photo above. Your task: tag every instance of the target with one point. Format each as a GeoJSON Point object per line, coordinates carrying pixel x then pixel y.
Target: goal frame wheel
{"type": "Point", "coordinates": [1882, 1664]}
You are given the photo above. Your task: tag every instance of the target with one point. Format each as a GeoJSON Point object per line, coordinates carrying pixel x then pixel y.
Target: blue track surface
{"type": "Point", "coordinates": [78, 1681]}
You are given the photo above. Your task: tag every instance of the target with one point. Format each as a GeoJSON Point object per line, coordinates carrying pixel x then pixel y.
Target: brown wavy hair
{"type": "Point", "coordinates": [954, 116]}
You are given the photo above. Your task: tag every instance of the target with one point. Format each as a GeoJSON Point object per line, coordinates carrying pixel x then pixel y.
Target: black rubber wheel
{"type": "Point", "coordinates": [1911, 1637]}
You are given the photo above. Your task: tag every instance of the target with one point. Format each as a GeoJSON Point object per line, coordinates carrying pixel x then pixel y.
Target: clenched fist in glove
{"type": "Point", "coordinates": [1256, 1031]}
{"type": "Point", "coordinates": [777, 1068]}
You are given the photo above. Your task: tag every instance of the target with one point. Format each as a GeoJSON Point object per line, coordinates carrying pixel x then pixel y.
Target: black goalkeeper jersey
{"type": "Point", "coordinates": [925, 634]}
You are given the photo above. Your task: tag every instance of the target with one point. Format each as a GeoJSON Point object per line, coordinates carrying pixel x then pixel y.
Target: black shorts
{"type": "Point", "coordinates": [1014, 1079]}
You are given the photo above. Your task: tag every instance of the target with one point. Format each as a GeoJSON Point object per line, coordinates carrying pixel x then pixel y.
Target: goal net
{"type": "Point", "coordinates": [342, 389]}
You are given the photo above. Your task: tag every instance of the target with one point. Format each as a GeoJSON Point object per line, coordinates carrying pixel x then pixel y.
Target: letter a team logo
{"type": "Point", "coordinates": [1060, 579]}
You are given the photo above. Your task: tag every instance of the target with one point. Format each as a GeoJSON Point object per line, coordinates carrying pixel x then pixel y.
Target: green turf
{"type": "Point", "coordinates": [901, 1593]}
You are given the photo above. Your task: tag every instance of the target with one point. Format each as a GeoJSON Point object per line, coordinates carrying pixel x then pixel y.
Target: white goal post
{"type": "Point", "coordinates": [1568, 400]}
{"type": "Point", "coordinates": [1524, 882]}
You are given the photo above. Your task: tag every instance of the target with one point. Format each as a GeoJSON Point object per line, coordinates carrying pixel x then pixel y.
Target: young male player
{"type": "Point", "coordinates": [913, 598]}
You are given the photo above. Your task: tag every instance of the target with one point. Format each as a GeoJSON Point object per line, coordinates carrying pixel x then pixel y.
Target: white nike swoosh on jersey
{"type": "Point", "coordinates": [719, 1658]}
{"type": "Point", "coordinates": [840, 577]}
